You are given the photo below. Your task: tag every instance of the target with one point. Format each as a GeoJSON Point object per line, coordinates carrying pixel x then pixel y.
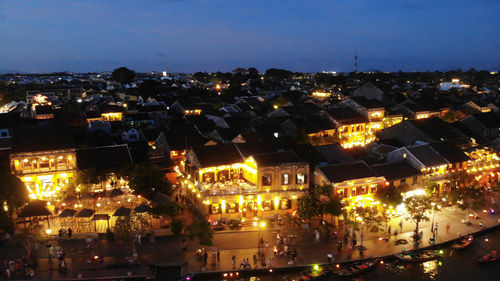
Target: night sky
{"type": "Point", "coordinates": [220, 35]}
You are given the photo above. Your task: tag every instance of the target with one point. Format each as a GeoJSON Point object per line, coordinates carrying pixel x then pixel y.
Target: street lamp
{"type": "Point", "coordinates": [261, 224]}
{"type": "Point", "coordinates": [48, 245]}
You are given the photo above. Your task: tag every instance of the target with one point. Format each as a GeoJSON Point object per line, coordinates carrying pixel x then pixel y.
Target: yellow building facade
{"type": "Point", "coordinates": [46, 172]}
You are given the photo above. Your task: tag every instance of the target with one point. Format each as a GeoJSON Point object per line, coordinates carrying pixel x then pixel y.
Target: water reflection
{"type": "Point", "coordinates": [431, 268]}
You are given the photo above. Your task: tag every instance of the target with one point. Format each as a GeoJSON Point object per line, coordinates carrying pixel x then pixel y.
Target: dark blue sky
{"type": "Point", "coordinates": [200, 35]}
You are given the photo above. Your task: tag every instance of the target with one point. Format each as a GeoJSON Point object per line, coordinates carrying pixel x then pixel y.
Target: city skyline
{"type": "Point", "coordinates": [191, 35]}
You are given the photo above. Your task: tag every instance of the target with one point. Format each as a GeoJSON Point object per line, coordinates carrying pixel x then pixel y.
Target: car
{"type": "Point", "coordinates": [218, 225]}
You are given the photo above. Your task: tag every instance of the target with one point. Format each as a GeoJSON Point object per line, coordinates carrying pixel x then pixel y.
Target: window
{"type": "Point", "coordinates": [353, 191]}
{"type": "Point", "coordinates": [363, 189]}
{"type": "Point", "coordinates": [267, 180]}
{"type": "Point", "coordinates": [301, 178]}
{"type": "Point", "coordinates": [4, 134]}
{"type": "Point", "coordinates": [285, 179]}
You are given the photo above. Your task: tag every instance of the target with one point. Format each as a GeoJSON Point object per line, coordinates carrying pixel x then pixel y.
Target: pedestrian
{"type": "Point", "coordinates": [234, 261]}
{"type": "Point", "coordinates": [330, 258]}
{"type": "Point", "coordinates": [218, 256]}
{"type": "Point", "coordinates": [401, 225]}
{"type": "Point", "coordinates": [270, 262]}
{"type": "Point", "coordinates": [266, 244]}
{"type": "Point", "coordinates": [447, 228]}
{"type": "Point", "coordinates": [255, 261]}
{"type": "Point", "coordinates": [8, 272]}
{"type": "Point", "coordinates": [395, 234]}
{"type": "Point", "coordinates": [436, 228]}
{"type": "Point", "coordinates": [339, 246]}
{"type": "Point", "coordinates": [481, 224]}
{"type": "Point", "coordinates": [70, 233]}
{"type": "Point", "coordinates": [213, 257]}
{"type": "Point", "coordinates": [205, 257]}
{"type": "Point", "coordinates": [60, 233]}
{"type": "Point", "coordinates": [389, 232]}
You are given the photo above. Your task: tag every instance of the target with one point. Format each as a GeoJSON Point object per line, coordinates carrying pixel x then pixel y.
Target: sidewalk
{"type": "Point", "coordinates": [314, 253]}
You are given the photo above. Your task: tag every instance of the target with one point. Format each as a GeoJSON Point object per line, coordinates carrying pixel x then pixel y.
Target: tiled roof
{"type": "Point", "coordinates": [426, 155]}
{"type": "Point", "coordinates": [337, 173]}
{"type": "Point", "coordinates": [396, 170]}
{"type": "Point", "coordinates": [276, 158]}
{"type": "Point", "coordinates": [102, 158]}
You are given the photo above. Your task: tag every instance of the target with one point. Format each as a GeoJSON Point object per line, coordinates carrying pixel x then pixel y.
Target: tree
{"type": "Point", "coordinates": [170, 209]}
{"type": "Point", "coordinates": [87, 177]}
{"type": "Point", "coordinates": [308, 207]}
{"type": "Point", "coordinates": [390, 196]}
{"type": "Point", "coordinates": [127, 227]}
{"type": "Point", "coordinates": [13, 192]}
{"type": "Point", "coordinates": [417, 207]}
{"type": "Point", "coordinates": [332, 207]}
{"type": "Point", "coordinates": [123, 75]}
{"type": "Point", "coordinates": [29, 237]}
{"type": "Point", "coordinates": [200, 228]}
{"type": "Point", "coordinates": [325, 189]}
{"type": "Point", "coordinates": [431, 187]}
{"type": "Point", "coordinates": [450, 117]}
{"type": "Point", "coordinates": [253, 73]}
{"type": "Point", "coordinates": [468, 198]}
{"type": "Point", "coordinates": [176, 225]}
{"type": "Point", "coordinates": [146, 179]}
{"type": "Point", "coordinates": [458, 178]}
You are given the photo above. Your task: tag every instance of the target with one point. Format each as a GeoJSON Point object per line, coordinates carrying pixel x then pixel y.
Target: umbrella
{"type": "Point", "coordinates": [122, 212]}
{"type": "Point", "coordinates": [160, 198]}
{"type": "Point", "coordinates": [69, 199]}
{"type": "Point", "coordinates": [35, 208]}
{"type": "Point", "coordinates": [115, 192]}
{"type": "Point", "coordinates": [87, 196]}
{"type": "Point", "coordinates": [100, 217]}
{"type": "Point", "coordinates": [67, 213]}
{"type": "Point", "coordinates": [85, 213]}
{"type": "Point", "coordinates": [142, 208]}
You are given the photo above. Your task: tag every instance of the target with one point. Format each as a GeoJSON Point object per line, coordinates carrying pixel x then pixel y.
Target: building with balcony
{"type": "Point", "coordinates": [44, 158]}
{"type": "Point", "coordinates": [232, 186]}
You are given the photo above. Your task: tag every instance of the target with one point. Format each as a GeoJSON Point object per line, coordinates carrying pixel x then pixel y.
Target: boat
{"type": "Point", "coordinates": [315, 273]}
{"type": "Point", "coordinates": [489, 257]}
{"type": "Point", "coordinates": [417, 256]}
{"type": "Point", "coordinates": [463, 243]}
{"type": "Point", "coordinates": [356, 268]}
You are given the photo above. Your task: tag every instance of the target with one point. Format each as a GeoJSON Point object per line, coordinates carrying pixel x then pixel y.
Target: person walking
{"type": "Point", "coordinates": [401, 225]}
{"type": "Point", "coordinates": [70, 233]}
{"type": "Point", "coordinates": [218, 256]}
{"type": "Point", "coordinates": [234, 261]}
{"type": "Point", "coordinates": [205, 257]}
{"type": "Point", "coordinates": [255, 261]}
{"type": "Point", "coordinates": [447, 228]}
{"type": "Point", "coordinates": [389, 231]}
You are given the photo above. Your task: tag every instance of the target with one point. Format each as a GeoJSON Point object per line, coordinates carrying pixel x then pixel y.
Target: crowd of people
{"type": "Point", "coordinates": [18, 268]}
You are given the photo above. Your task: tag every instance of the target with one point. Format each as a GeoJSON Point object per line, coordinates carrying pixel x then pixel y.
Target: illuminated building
{"type": "Point", "coordinates": [399, 174]}
{"type": "Point", "coordinates": [352, 182]}
{"type": "Point", "coordinates": [351, 126]}
{"type": "Point", "coordinates": [43, 157]}
{"type": "Point", "coordinates": [422, 157]}
{"type": "Point", "coordinates": [232, 186]}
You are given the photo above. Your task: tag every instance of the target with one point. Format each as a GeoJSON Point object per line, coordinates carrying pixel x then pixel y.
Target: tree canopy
{"type": "Point", "coordinates": [418, 207]}
{"type": "Point", "coordinates": [123, 75]}
{"type": "Point", "coordinates": [308, 207]}
{"type": "Point", "coordinates": [146, 179]}
{"type": "Point", "coordinates": [390, 196]}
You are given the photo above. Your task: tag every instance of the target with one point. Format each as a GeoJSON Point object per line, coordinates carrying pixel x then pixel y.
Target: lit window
{"type": "Point", "coordinates": [285, 179]}
{"type": "Point", "coordinates": [301, 178]}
